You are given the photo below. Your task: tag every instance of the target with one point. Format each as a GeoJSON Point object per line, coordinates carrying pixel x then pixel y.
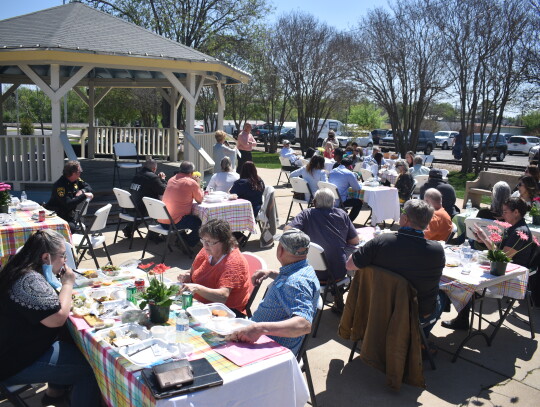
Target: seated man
{"type": "Point", "coordinates": [410, 255]}
{"type": "Point", "coordinates": [343, 178]}
{"type": "Point", "coordinates": [181, 190]}
{"type": "Point", "coordinates": [286, 312]}
{"type": "Point", "coordinates": [447, 191]}
{"type": "Point", "coordinates": [440, 226]}
{"type": "Point", "coordinates": [145, 183]}
{"type": "Point", "coordinates": [288, 152]}
{"type": "Point", "coordinates": [68, 192]}
{"type": "Point", "coordinates": [370, 160]}
{"type": "Point", "coordinates": [418, 167]}
{"type": "Point", "coordinates": [338, 157]}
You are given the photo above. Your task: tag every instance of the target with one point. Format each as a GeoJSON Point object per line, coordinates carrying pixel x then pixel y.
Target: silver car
{"type": "Point", "coordinates": [445, 139]}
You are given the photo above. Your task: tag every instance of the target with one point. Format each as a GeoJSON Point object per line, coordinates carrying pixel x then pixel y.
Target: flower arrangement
{"type": "Point", "coordinates": [535, 208]}
{"type": "Point", "coordinates": [496, 235]}
{"type": "Point", "coordinates": [320, 150]}
{"type": "Point", "coordinates": [5, 198]}
{"type": "Point", "coordinates": [197, 176]}
{"type": "Point", "coordinates": [157, 293]}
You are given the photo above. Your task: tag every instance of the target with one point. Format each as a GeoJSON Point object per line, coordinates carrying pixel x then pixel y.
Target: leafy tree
{"type": "Point", "coordinates": [367, 116]}
{"type": "Point", "coordinates": [532, 122]}
{"type": "Point", "coordinates": [117, 108]}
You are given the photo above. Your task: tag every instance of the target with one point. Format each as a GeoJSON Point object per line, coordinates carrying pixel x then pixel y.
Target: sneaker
{"type": "Point", "coordinates": [127, 232]}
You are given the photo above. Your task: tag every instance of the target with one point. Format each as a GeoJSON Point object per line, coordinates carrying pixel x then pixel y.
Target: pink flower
{"type": "Point", "coordinates": [522, 235]}
{"type": "Point", "coordinates": [495, 238]}
{"type": "Point", "coordinates": [535, 240]}
{"type": "Point", "coordinates": [493, 228]}
{"type": "Point", "coordinates": [505, 225]}
{"type": "Point", "coordinates": [537, 199]}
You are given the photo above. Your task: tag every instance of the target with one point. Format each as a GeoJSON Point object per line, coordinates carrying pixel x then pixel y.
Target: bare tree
{"type": "Point", "coordinates": [309, 63]}
{"type": "Point", "coordinates": [396, 62]}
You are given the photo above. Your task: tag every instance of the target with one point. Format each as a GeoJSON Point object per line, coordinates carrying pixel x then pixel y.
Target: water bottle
{"type": "Point", "coordinates": [23, 196]}
{"type": "Point", "coordinates": [466, 257]}
{"type": "Point", "coordinates": [182, 326]}
{"type": "Point", "coordinates": [468, 207]}
{"type": "Point", "coordinates": [378, 231]}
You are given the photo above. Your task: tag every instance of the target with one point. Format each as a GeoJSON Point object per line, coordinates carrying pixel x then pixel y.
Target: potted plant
{"type": "Point", "coordinates": [498, 257]}
{"type": "Point", "coordinates": [157, 295]}
{"type": "Point", "coordinates": [535, 211]}
{"type": "Point", "coordinates": [5, 197]}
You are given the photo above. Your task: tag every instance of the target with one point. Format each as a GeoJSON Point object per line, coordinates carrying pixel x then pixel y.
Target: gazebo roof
{"type": "Point", "coordinates": [75, 34]}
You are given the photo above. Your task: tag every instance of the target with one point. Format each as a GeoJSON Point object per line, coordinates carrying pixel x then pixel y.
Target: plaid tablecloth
{"type": "Point", "coordinates": [460, 288]}
{"type": "Point", "coordinates": [122, 385]}
{"type": "Point", "coordinates": [238, 213]}
{"type": "Point", "coordinates": [15, 235]}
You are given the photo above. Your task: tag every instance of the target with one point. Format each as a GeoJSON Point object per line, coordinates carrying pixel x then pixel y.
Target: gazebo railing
{"type": "Point", "coordinates": [149, 140]}
{"type": "Point", "coordinates": [25, 159]}
{"type": "Point", "coordinates": [201, 154]}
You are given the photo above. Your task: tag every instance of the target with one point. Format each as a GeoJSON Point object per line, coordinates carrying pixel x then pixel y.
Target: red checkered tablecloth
{"type": "Point", "coordinates": [238, 212]}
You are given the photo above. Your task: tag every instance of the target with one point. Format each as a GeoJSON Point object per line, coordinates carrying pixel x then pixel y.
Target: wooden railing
{"type": "Point", "coordinates": [25, 159]}
{"type": "Point", "coordinates": [201, 154]}
{"type": "Point", "coordinates": [149, 140]}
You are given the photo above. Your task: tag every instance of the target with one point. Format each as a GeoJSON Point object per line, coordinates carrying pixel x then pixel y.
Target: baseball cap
{"type": "Point", "coordinates": [294, 241]}
{"type": "Point", "coordinates": [435, 174]}
{"type": "Point", "coordinates": [286, 142]}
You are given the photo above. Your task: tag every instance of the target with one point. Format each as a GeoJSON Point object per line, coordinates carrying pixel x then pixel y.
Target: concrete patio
{"type": "Point", "coordinates": [507, 373]}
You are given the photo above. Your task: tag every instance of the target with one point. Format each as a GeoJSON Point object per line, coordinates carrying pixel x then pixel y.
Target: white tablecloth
{"type": "Point", "coordinates": [383, 201]}
{"type": "Point", "coordinates": [277, 381]}
{"type": "Point", "coordinates": [328, 164]}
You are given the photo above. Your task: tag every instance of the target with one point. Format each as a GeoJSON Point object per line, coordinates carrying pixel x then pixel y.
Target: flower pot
{"type": "Point", "coordinates": [498, 268]}
{"type": "Point", "coordinates": [5, 209]}
{"type": "Point", "coordinates": [159, 314]}
{"type": "Point", "coordinates": [536, 220]}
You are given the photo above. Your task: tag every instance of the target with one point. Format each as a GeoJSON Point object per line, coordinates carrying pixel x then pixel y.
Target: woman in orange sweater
{"type": "Point", "coordinates": [219, 273]}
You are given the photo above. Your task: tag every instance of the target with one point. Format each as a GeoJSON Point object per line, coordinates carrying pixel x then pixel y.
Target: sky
{"type": "Point", "coordinates": [342, 14]}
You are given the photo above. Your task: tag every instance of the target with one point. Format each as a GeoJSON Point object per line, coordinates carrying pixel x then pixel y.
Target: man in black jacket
{"type": "Point", "coordinates": [145, 183]}
{"type": "Point", "coordinates": [447, 191]}
{"type": "Point", "coordinates": [68, 192]}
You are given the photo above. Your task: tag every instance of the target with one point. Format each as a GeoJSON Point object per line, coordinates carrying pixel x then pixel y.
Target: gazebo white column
{"type": "Point", "coordinates": [220, 105]}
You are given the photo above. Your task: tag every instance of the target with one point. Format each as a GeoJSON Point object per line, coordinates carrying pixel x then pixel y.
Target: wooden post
{"type": "Point", "coordinates": [57, 151]}
{"type": "Point", "coordinates": [91, 120]}
{"type": "Point", "coordinates": [220, 105]}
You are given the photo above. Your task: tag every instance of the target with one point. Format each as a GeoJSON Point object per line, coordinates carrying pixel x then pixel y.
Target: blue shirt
{"type": "Point", "coordinates": [342, 178]}
{"type": "Point", "coordinates": [294, 292]}
{"type": "Point", "coordinates": [311, 178]}
{"type": "Point", "coordinates": [418, 169]}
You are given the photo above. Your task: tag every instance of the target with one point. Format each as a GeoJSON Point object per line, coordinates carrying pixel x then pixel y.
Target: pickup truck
{"type": "Point", "coordinates": [426, 142]}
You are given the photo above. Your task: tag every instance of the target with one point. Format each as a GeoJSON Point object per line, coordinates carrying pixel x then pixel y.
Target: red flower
{"type": "Point", "coordinates": [145, 266]}
{"type": "Point", "coordinates": [493, 228]}
{"type": "Point", "coordinates": [522, 235]}
{"type": "Point", "coordinates": [160, 268]}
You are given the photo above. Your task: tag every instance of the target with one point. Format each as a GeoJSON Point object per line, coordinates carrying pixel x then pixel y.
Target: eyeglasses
{"type": "Point", "coordinates": [520, 184]}
{"type": "Point", "coordinates": [64, 255]}
{"type": "Point", "coordinates": [208, 243]}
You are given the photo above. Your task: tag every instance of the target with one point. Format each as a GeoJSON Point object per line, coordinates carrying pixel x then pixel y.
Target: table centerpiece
{"type": "Point", "coordinates": [157, 295]}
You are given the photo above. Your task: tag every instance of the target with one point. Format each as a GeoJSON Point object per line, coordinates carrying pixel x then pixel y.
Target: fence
{"type": "Point", "coordinates": [149, 140]}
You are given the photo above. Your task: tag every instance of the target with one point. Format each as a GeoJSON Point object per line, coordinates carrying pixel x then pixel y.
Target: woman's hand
{"type": "Point", "coordinates": [191, 287]}
{"type": "Point", "coordinates": [67, 276]}
{"type": "Point", "coordinates": [480, 234]}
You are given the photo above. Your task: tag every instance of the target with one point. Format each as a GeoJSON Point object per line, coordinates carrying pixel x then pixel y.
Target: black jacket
{"type": "Point", "coordinates": [447, 191]}
{"type": "Point", "coordinates": [146, 183]}
{"type": "Point", "coordinates": [63, 200]}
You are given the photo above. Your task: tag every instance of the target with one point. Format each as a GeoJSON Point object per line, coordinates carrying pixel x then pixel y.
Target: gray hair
{"type": "Point", "coordinates": [433, 195]}
{"type": "Point", "coordinates": [417, 160]}
{"type": "Point", "coordinates": [324, 198]}
{"type": "Point", "coordinates": [187, 167]}
{"type": "Point", "coordinates": [150, 164]}
{"type": "Point", "coordinates": [419, 213]}
{"type": "Point", "coordinates": [501, 192]}
{"type": "Point", "coordinates": [402, 163]}
{"type": "Point", "coordinates": [226, 164]}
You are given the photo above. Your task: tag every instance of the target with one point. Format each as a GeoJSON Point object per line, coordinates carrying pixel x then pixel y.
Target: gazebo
{"type": "Point", "coordinates": [74, 46]}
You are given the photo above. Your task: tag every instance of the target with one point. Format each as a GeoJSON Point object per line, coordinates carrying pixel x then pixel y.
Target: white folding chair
{"type": "Point", "coordinates": [300, 186]}
{"type": "Point", "coordinates": [366, 174]}
{"type": "Point", "coordinates": [124, 150]}
{"type": "Point", "coordinates": [428, 160]}
{"type": "Point", "coordinates": [482, 223]}
{"type": "Point", "coordinates": [286, 168]}
{"type": "Point", "coordinates": [317, 259]}
{"type": "Point", "coordinates": [333, 188]}
{"type": "Point", "coordinates": [420, 181]}
{"type": "Point", "coordinates": [157, 210]}
{"type": "Point", "coordinates": [126, 203]}
{"type": "Point", "coordinates": [255, 263]}
{"type": "Point", "coordinates": [89, 241]}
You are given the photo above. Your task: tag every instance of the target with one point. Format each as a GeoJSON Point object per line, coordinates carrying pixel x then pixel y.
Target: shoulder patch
{"type": "Point", "coordinates": [61, 192]}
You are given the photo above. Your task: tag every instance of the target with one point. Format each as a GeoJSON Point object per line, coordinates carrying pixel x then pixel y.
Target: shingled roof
{"type": "Point", "coordinates": [78, 28]}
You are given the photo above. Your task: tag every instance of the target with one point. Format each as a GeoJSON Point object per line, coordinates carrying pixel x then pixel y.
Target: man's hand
{"type": "Point", "coordinates": [184, 278]}
{"type": "Point", "coordinates": [250, 333]}
{"type": "Point", "coordinates": [89, 195]}
{"type": "Point", "coordinates": [260, 275]}
{"type": "Point", "coordinates": [161, 175]}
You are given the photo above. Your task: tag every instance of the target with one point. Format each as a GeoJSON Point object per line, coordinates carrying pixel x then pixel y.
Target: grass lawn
{"type": "Point", "coordinates": [458, 179]}
{"type": "Point", "coordinates": [266, 160]}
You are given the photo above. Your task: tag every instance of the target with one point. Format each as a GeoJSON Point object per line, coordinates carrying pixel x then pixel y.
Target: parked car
{"type": "Point", "coordinates": [507, 136]}
{"type": "Point", "coordinates": [426, 142]}
{"type": "Point", "coordinates": [288, 133]}
{"type": "Point", "coordinates": [445, 139]}
{"type": "Point", "coordinates": [497, 146]}
{"type": "Point", "coordinates": [534, 154]}
{"type": "Point", "coordinates": [522, 144]}
{"type": "Point", "coordinates": [364, 141]}
{"type": "Point", "coordinates": [378, 134]}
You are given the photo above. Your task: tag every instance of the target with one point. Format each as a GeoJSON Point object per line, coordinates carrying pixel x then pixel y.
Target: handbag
{"type": "Point", "coordinates": [174, 374]}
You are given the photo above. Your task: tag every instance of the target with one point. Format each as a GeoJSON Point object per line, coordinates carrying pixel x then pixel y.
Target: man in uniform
{"type": "Point", "coordinates": [68, 192]}
{"type": "Point", "coordinates": [145, 183]}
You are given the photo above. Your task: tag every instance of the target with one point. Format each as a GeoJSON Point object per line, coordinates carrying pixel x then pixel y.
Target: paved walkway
{"type": "Point", "coordinates": [507, 373]}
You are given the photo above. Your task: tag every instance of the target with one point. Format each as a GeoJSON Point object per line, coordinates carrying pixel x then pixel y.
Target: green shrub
{"type": "Point", "coordinates": [27, 127]}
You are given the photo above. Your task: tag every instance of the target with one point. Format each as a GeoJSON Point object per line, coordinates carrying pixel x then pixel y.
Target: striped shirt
{"type": "Point", "coordinates": [294, 292]}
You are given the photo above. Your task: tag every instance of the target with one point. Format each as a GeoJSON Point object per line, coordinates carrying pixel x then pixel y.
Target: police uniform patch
{"type": "Point", "coordinates": [61, 192]}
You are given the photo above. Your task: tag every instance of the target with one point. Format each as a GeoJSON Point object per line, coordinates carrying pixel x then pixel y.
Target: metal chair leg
{"type": "Point", "coordinates": [117, 229]}
{"type": "Point", "coordinates": [353, 349]}
{"type": "Point", "coordinates": [107, 253]}
{"type": "Point", "coordinates": [289, 214]}
{"type": "Point", "coordinates": [309, 381]}
{"type": "Point", "coordinates": [145, 245]}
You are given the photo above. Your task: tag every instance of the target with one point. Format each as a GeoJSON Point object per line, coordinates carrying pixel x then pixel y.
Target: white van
{"type": "Point", "coordinates": [325, 127]}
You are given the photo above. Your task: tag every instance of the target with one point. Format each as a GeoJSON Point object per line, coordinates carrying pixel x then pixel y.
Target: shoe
{"type": "Point", "coordinates": [47, 400]}
{"type": "Point", "coordinates": [127, 232]}
{"type": "Point", "coordinates": [456, 324]}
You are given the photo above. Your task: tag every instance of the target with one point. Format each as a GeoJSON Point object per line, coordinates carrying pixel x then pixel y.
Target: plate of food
{"type": "Point", "coordinates": [112, 309]}
{"type": "Point", "coordinates": [110, 270]}
{"type": "Point", "coordinates": [149, 351]}
{"type": "Point", "coordinates": [123, 335]}
{"type": "Point", "coordinates": [84, 278]}
{"type": "Point", "coordinates": [203, 313]}
{"type": "Point", "coordinates": [226, 326]}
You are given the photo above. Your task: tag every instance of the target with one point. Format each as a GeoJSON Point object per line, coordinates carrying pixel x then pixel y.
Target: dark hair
{"type": "Point", "coordinates": [411, 154]}
{"type": "Point", "coordinates": [316, 163]}
{"type": "Point", "coordinates": [249, 172]}
{"type": "Point", "coordinates": [309, 152]}
{"type": "Point", "coordinates": [70, 168]}
{"type": "Point", "coordinates": [347, 163]}
{"type": "Point", "coordinates": [378, 157]}
{"type": "Point", "coordinates": [220, 230]}
{"type": "Point", "coordinates": [533, 171]}
{"type": "Point", "coordinates": [354, 144]}
{"type": "Point", "coordinates": [518, 204]}
{"type": "Point", "coordinates": [531, 185]}
{"type": "Point", "coordinates": [339, 152]}
{"type": "Point", "coordinates": [29, 257]}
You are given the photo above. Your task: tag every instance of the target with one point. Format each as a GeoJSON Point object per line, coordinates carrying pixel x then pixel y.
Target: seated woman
{"type": "Point", "coordinates": [534, 172]}
{"type": "Point", "coordinates": [527, 189]}
{"type": "Point", "coordinates": [32, 317]}
{"type": "Point", "coordinates": [409, 157]}
{"type": "Point", "coordinates": [499, 194]}
{"type": "Point", "coordinates": [404, 181]}
{"type": "Point", "coordinates": [312, 173]}
{"type": "Point", "coordinates": [224, 180]}
{"type": "Point", "coordinates": [328, 150]}
{"type": "Point", "coordinates": [250, 186]}
{"type": "Point", "coordinates": [219, 272]}
{"type": "Point", "coordinates": [520, 251]}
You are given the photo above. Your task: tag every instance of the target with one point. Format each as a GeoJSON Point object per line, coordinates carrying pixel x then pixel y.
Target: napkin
{"type": "Point", "coordinates": [241, 353]}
